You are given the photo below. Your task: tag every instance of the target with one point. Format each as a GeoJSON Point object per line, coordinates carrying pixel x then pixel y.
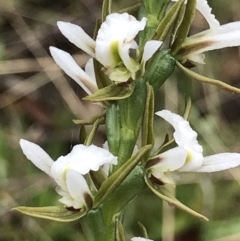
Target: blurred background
{"type": "Point", "coordinates": [38, 103]}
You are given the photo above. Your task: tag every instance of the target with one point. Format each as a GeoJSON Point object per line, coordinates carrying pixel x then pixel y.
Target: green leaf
{"type": "Point", "coordinates": [177, 24]}
{"type": "Point", "coordinates": [98, 177]}
{"type": "Point", "coordinates": [118, 177]}
{"type": "Point", "coordinates": [166, 145]}
{"type": "Point", "coordinates": [91, 120]}
{"type": "Point", "coordinates": [120, 231]}
{"type": "Point", "coordinates": [148, 119]}
{"type": "Point", "coordinates": [144, 230]}
{"type": "Point", "coordinates": [97, 27]}
{"type": "Point", "coordinates": [111, 92]}
{"type": "Point", "coordinates": [91, 135]}
{"type": "Point", "coordinates": [207, 80]}
{"type": "Point", "coordinates": [55, 213]}
{"type": "Point", "coordinates": [183, 30]}
{"type": "Point", "coordinates": [82, 134]}
{"type": "Point", "coordinates": [168, 20]}
{"type": "Point", "coordinates": [156, 8]}
{"type": "Point", "coordinates": [187, 110]}
{"type": "Point", "coordinates": [106, 9]}
{"type": "Point", "coordinates": [165, 195]}
{"type": "Point", "coordinates": [130, 9]}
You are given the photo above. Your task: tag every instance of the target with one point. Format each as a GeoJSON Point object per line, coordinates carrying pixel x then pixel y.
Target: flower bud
{"type": "Point", "coordinates": [159, 68]}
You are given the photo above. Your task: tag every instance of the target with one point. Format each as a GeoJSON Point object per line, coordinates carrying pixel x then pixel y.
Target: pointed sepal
{"type": "Point", "coordinates": [56, 213]}
{"type": "Point", "coordinates": [168, 20]}
{"type": "Point", "coordinates": [148, 119]}
{"type": "Point", "coordinates": [183, 29]}
{"type": "Point", "coordinates": [164, 194]}
{"type": "Point", "coordinates": [111, 92]}
{"type": "Point", "coordinates": [207, 80]}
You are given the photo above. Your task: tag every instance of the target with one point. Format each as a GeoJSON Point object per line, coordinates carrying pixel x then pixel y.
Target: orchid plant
{"type": "Point", "coordinates": [129, 61]}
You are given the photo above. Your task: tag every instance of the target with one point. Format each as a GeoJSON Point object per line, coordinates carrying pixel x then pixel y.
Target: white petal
{"type": "Point", "coordinates": [205, 10]}
{"type": "Point", "coordinates": [170, 160]}
{"type": "Point", "coordinates": [186, 138]}
{"type": "Point", "coordinates": [71, 68]}
{"type": "Point", "coordinates": [219, 162]}
{"type": "Point", "coordinates": [184, 135]}
{"type": "Point", "coordinates": [37, 156]}
{"type": "Point", "coordinates": [118, 30]}
{"type": "Point", "coordinates": [129, 62]}
{"type": "Point", "coordinates": [78, 188]}
{"type": "Point", "coordinates": [150, 48]}
{"type": "Point", "coordinates": [211, 42]}
{"type": "Point", "coordinates": [66, 197]}
{"type": "Point", "coordinates": [196, 58]}
{"type": "Point", "coordinates": [230, 27]}
{"type": "Point", "coordinates": [140, 239]}
{"type": "Point", "coordinates": [89, 69]}
{"type": "Point", "coordinates": [58, 171]}
{"type": "Point", "coordinates": [67, 200]}
{"type": "Point", "coordinates": [226, 28]}
{"type": "Point", "coordinates": [162, 166]}
{"type": "Point", "coordinates": [77, 36]}
{"type": "Point", "coordinates": [86, 158]}
{"type": "Point", "coordinates": [83, 159]}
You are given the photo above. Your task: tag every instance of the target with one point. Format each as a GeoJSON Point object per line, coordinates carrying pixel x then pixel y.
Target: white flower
{"type": "Point", "coordinates": [140, 239]}
{"type": "Point", "coordinates": [216, 37]}
{"type": "Point", "coordinates": [112, 47]}
{"type": "Point", "coordinates": [68, 170]}
{"type": "Point", "coordinates": [187, 157]}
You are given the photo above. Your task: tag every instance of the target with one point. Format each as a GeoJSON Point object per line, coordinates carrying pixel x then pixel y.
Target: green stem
{"type": "Point", "coordinates": [131, 113]}
{"type": "Point", "coordinates": [92, 225]}
{"type": "Point", "coordinates": [117, 201]}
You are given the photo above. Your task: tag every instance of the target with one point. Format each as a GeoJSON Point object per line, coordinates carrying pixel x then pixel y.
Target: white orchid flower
{"type": "Point", "coordinates": [140, 239]}
{"type": "Point", "coordinates": [216, 37]}
{"type": "Point", "coordinates": [112, 47]}
{"type": "Point", "coordinates": [188, 156]}
{"type": "Point", "coordinates": [68, 171]}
